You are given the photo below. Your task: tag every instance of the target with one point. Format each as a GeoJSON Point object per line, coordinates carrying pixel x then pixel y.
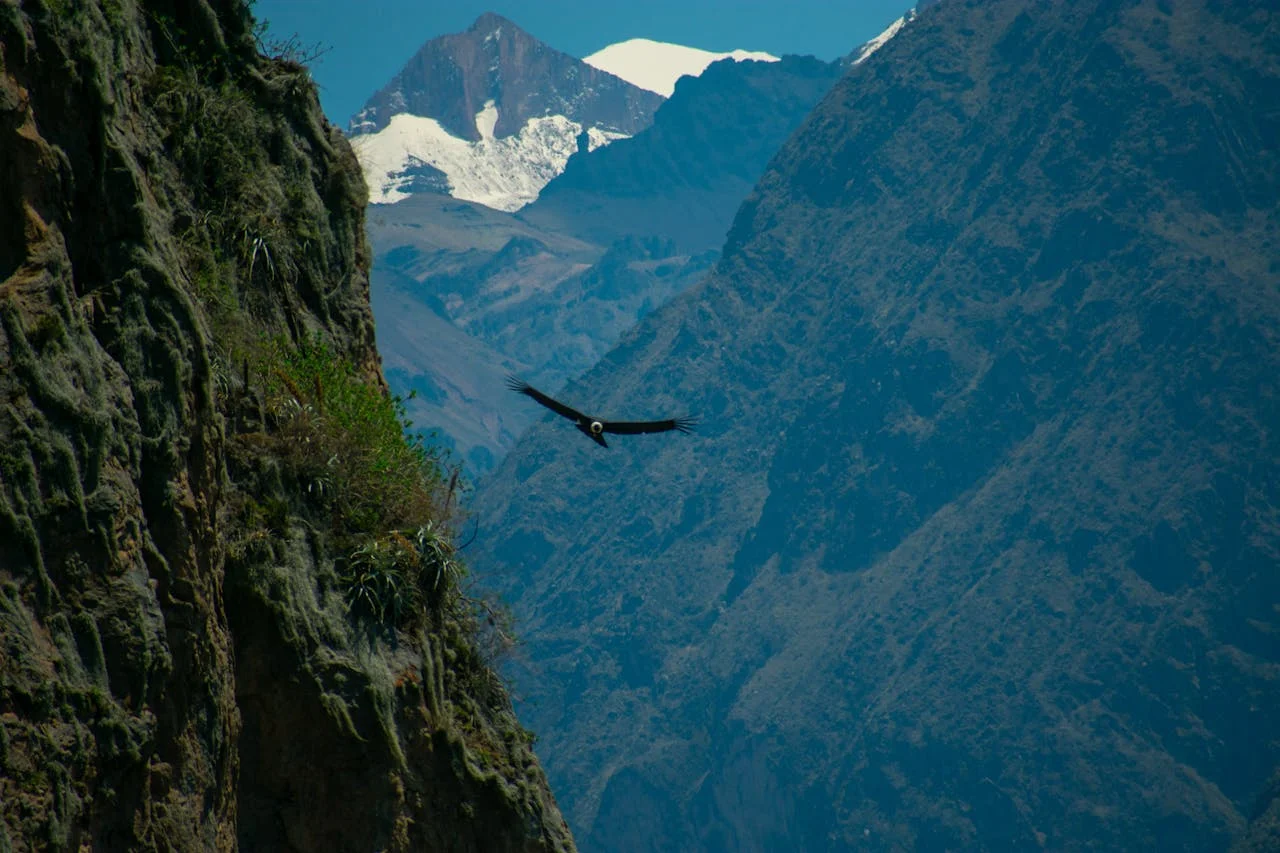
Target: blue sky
{"type": "Point", "coordinates": [370, 41]}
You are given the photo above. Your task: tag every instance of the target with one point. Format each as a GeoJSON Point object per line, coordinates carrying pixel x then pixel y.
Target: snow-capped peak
{"type": "Point", "coordinates": [657, 65]}
{"type": "Point", "coordinates": [490, 115]}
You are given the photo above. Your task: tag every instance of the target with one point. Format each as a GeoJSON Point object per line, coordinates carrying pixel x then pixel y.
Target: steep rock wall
{"type": "Point", "coordinates": [181, 664]}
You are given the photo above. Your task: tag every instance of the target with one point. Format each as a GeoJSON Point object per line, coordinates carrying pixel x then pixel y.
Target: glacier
{"type": "Point", "coordinates": [505, 174]}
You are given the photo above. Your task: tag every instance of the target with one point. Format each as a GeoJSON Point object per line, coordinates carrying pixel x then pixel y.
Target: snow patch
{"type": "Point", "coordinates": [879, 41]}
{"type": "Point", "coordinates": [597, 138]}
{"type": "Point", "coordinates": [656, 65]}
{"type": "Point", "coordinates": [505, 174]}
{"type": "Point", "coordinates": [487, 120]}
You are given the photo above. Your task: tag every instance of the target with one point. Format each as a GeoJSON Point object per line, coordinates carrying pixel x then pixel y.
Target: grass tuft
{"type": "Point", "coordinates": [344, 438]}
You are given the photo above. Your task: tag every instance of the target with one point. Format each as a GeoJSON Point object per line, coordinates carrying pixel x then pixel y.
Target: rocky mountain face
{"type": "Point", "coordinates": [452, 77]}
{"type": "Point", "coordinates": [490, 115]}
{"type": "Point", "coordinates": [548, 291]}
{"type": "Point", "coordinates": [231, 612]}
{"type": "Point", "coordinates": [976, 546]}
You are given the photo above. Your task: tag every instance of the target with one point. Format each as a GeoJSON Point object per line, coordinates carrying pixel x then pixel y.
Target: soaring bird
{"type": "Point", "coordinates": [594, 428]}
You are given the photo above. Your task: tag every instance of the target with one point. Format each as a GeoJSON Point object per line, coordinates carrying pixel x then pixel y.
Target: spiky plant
{"type": "Point", "coordinates": [379, 583]}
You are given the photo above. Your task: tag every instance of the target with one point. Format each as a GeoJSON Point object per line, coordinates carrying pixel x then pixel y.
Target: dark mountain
{"type": "Point", "coordinates": [684, 177]}
{"type": "Point", "coordinates": [230, 612]}
{"type": "Point", "coordinates": [548, 291]}
{"type": "Point", "coordinates": [451, 77]}
{"type": "Point", "coordinates": [976, 547]}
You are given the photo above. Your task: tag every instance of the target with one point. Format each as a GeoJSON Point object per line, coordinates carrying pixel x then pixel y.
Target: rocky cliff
{"type": "Point", "coordinates": [976, 546]}
{"type": "Point", "coordinates": [231, 612]}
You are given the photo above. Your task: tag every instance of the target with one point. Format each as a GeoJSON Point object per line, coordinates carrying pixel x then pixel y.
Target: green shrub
{"type": "Point", "coordinates": [344, 439]}
{"type": "Point", "coordinates": [382, 580]}
{"type": "Point", "coordinates": [391, 578]}
{"type": "Point", "coordinates": [442, 572]}
{"type": "Point", "coordinates": [213, 133]}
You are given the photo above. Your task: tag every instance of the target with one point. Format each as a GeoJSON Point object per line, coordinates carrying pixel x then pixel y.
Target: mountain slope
{"type": "Point", "coordinates": [976, 546]}
{"type": "Point", "coordinates": [684, 176]}
{"type": "Point", "coordinates": [230, 613]}
{"type": "Point", "coordinates": [490, 115]}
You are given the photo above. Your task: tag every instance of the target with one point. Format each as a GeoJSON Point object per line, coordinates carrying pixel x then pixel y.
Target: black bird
{"type": "Point", "coordinates": [593, 428]}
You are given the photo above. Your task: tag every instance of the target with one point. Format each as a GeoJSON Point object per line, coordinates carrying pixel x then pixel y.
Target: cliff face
{"type": "Point", "coordinates": [230, 613]}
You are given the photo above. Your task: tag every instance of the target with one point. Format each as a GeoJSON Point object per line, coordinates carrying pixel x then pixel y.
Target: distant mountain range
{"type": "Point", "coordinates": [490, 115]}
{"type": "Point", "coordinates": [547, 290]}
{"type": "Point", "coordinates": [976, 546]}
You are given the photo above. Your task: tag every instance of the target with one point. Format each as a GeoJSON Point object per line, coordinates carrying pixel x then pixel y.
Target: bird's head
{"type": "Point", "coordinates": [596, 428]}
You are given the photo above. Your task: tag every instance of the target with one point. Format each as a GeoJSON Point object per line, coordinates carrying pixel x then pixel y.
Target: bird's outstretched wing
{"type": "Point", "coordinates": [634, 427]}
{"type": "Point", "coordinates": [522, 387]}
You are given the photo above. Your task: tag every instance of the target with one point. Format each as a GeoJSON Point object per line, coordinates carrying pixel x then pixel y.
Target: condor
{"type": "Point", "coordinates": [594, 428]}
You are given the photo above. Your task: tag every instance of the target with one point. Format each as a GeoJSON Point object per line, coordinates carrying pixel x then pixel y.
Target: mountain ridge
{"type": "Point", "coordinates": [684, 177]}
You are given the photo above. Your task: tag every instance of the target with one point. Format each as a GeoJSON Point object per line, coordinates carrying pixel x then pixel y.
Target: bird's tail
{"type": "Point", "coordinates": [686, 424]}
